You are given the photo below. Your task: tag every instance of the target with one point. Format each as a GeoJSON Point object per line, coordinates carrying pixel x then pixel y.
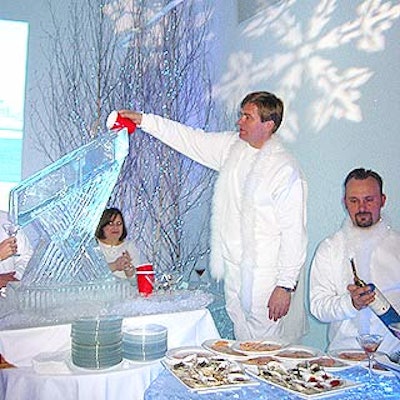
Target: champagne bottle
{"type": "Point", "coordinates": [381, 305]}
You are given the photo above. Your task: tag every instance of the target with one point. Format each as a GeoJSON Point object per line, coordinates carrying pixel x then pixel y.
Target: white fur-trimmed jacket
{"type": "Point", "coordinates": [376, 254]}
{"type": "Point", "coordinates": [271, 199]}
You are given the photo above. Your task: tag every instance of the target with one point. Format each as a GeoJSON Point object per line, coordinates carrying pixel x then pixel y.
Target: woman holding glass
{"type": "Point", "coordinates": [15, 252]}
{"type": "Point", "coordinates": [121, 254]}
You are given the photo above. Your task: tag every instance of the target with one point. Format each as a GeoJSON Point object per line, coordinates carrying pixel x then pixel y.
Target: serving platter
{"type": "Point", "coordinates": [329, 363]}
{"type": "Point", "coordinates": [298, 353]}
{"type": "Point", "coordinates": [350, 356]}
{"type": "Point", "coordinates": [223, 347]}
{"type": "Point", "coordinates": [208, 373]}
{"type": "Point", "coordinates": [259, 360]}
{"type": "Point", "coordinates": [305, 382]}
{"type": "Point", "coordinates": [180, 353]}
{"type": "Point", "coordinates": [258, 347]}
{"type": "Point", "coordinates": [379, 369]}
{"type": "Point", "coordinates": [384, 360]}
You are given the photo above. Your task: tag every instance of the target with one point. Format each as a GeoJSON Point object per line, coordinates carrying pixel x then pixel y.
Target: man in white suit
{"type": "Point", "coordinates": [258, 239]}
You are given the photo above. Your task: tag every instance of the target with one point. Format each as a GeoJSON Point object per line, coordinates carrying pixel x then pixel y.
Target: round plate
{"type": "Point", "coordinates": [350, 356]}
{"type": "Point", "coordinates": [298, 353]}
{"type": "Point", "coordinates": [179, 353]}
{"type": "Point", "coordinates": [223, 347]}
{"type": "Point", "coordinates": [260, 360]}
{"type": "Point", "coordinates": [379, 370]}
{"type": "Point", "coordinates": [330, 364]}
{"type": "Point", "coordinates": [258, 347]}
{"type": "Point", "coordinates": [384, 360]}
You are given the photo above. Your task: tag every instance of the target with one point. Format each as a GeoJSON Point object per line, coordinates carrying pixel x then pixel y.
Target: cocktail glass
{"type": "Point", "coordinates": [370, 344]}
{"type": "Point", "coordinates": [11, 230]}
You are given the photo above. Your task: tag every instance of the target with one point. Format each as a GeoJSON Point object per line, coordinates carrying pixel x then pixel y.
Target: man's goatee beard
{"type": "Point", "coordinates": [363, 222]}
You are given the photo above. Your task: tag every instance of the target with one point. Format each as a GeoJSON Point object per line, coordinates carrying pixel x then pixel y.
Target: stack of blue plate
{"type": "Point", "coordinates": [96, 343]}
{"type": "Point", "coordinates": [144, 343]}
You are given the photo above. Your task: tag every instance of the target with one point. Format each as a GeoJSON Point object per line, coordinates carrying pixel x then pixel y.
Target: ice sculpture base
{"type": "Point", "coordinates": [39, 299]}
{"type": "Point", "coordinates": [133, 305]}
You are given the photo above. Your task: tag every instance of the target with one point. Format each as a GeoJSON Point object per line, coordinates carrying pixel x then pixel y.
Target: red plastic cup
{"type": "Point", "coordinates": [115, 123]}
{"type": "Point", "coordinates": [145, 279]}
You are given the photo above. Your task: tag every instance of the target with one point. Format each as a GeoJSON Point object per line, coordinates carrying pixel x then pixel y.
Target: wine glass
{"type": "Point", "coordinates": [200, 271]}
{"type": "Point", "coordinates": [11, 230]}
{"type": "Point", "coordinates": [370, 343]}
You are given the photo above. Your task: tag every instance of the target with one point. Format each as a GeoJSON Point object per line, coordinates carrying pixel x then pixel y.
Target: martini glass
{"type": "Point", "coordinates": [11, 230]}
{"type": "Point", "coordinates": [370, 343]}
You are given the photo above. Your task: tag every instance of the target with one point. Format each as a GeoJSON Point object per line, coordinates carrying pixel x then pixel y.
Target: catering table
{"type": "Point", "coordinates": [166, 387]}
{"type": "Point", "coordinates": [125, 381]}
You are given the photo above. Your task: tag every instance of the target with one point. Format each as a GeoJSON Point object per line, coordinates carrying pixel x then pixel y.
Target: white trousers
{"type": "Point", "coordinates": [256, 324]}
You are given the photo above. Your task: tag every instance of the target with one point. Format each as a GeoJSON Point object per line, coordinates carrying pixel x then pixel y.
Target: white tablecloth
{"type": "Point", "coordinates": [126, 381]}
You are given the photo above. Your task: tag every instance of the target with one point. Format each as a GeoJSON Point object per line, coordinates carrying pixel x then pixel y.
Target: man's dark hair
{"type": "Point", "coordinates": [361, 174]}
{"type": "Point", "coordinates": [269, 106]}
{"type": "Point", "coordinates": [109, 214]}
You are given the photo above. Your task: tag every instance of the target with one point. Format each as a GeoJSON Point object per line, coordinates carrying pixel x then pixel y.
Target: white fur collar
{"type": "Point", "coordinates": [247, 236]}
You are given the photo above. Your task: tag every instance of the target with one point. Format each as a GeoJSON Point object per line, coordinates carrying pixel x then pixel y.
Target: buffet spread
{"type": "Point", "coordinates": [303, 371]}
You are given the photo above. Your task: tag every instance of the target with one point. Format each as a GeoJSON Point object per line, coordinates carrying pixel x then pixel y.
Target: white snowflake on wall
{"type": "Point", "coordinates": [304, 58]}
{"type": "Point", "coordinates": [122, 12]}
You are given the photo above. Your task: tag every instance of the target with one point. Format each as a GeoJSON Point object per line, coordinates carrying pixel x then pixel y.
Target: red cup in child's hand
{"type": "Point", "coordinates": [145, 279]}
{"type": "Point", "coordinates": [115, 122]}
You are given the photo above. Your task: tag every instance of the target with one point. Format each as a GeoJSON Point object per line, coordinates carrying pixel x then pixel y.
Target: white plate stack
{"type": "Point", "coordinates": [145, 343]}
{"type": "Point", "coordinates": [96, 343]}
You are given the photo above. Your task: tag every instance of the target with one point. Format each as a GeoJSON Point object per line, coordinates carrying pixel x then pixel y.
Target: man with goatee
{"type": "Point", "coordinates": [374, 247]}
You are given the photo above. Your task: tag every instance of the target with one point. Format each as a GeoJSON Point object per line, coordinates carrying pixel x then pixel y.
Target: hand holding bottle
{"type": "Point", "coordinates": [380, 305]}
{"type": "Point", "coordinates": [361, 297]}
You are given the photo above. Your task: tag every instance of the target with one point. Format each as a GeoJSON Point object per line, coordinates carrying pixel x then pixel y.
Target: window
{"type": "Point", "coordinates": [13, 50]}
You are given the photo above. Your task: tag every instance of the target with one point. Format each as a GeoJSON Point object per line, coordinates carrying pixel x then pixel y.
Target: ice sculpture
{"type": "Point", "coordinates": [63, 203]}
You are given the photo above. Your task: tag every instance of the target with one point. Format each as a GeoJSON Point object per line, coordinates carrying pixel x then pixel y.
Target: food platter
{"type": "Point", "coordinates": [208, 373]}
{"type": "Point", "coordinates": [298, 353]}
{"type": "Point", "coordinates": [330, 363]}
{"type": "Point", "coordinates": [258, 347]}
{"type": "Point", "coordinates": [350, 356]}
{"type": "Point", "coordinates": [305, 382]}
{"type": "Point", "coordinates": [223, 347]}
{"type": "Point", "coordinates": [180, 353]}
{"type": "Point", "coordinates": [384, 360]}
{"type": "Point", "coordinates": [259, 360]}
{"type": "Point", "coordinates": [379, 369]}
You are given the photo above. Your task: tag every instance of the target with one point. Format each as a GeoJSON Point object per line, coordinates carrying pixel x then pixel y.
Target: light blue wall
{"type": "Point", "coordinates": [362, 66]}
{"type": "Point", "coordinates": [361, 70]}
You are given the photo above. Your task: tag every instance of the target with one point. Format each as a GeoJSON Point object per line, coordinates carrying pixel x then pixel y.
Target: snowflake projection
{"type": "Point", "coordinates": [122, 12]}
{"type": "Point", "coordinates": [304, 58]}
